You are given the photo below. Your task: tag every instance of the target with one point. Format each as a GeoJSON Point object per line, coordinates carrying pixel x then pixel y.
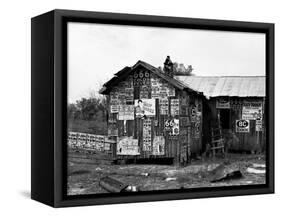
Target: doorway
{"type": "Point", "coordinates": [225, 119]}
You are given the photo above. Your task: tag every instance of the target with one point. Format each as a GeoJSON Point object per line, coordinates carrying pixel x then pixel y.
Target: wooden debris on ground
{"type": "Point", "coordinates": [115, 186]}
{"type": "Point", "coordinates": [224, 173]}
{"type": "Point", "coordinates": [256, 171]}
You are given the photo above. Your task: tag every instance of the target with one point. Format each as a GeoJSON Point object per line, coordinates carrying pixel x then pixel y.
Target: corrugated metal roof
{"type": "Point", "coordinates": [214, 86]}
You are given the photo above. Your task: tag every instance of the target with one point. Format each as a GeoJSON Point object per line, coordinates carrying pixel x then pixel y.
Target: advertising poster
{"type": "Point", "coordinates": [242, 126]}
{"type": "Point", "coordinates": [223, 103]}
{"type": "Point", "coordinates": [145, 107]}
{"type": "Point", "coordinates": [168, 124]}
{"type": "Point", "coordinates": [144, 92]}
{"type": "Point", "coordinates": [81, 139]}
{"type": "Point", "coordinates": [175, 128]}
{"type": "Point", "coordinates": [258, 125]}
{"type": "Point", "coordinates": [172, 126]}
{"type": "Point", "coordinates": [129, 95]}
{"type": "Point", "coordinates": [161, 89]}
{"type": "Point", "coordinates": [114, 105]}
{"type": "Point", "coordinates": [252, 110]}
{"type": "Point", "coordinates": [141, 77]}
{"type": "Point", "coordinates": [126, 112]}
{"type": "Point", "coordinates": [155, 87]}
{"type": "Point", "coordinates": [175, 107]}
{"type": "Point", "coordinates": [72, 139]}
{"type": "Point", "coordinates": [114, 108]}
{"type": "Point", "coordinates": [193, 113]}
{"type": "Point", "coordinates": [96, 142]}
{"type": "Point", "coordinates": [99, 142]}
{"type": "Point", "coordinates": [127, 146]}
{"type": "Point", "coordinates": [164, 106]}
{"type": "Point", "coordinates": [147, 135]}
{"type": "Point", "coordinates": [158, 145]}
{"type": "Point", "coordinates": [155, 92]}
{"type": "Point", "coordinates": [251, 113]}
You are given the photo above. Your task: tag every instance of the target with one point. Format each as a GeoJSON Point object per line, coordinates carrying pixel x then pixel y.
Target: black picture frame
{"type": "Point", "coordinates": [49, 105]}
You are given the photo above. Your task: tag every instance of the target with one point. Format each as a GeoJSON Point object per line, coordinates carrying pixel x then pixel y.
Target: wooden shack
{"type": "Point", "coordinates": [237, 105]}
{"type": "Point", "coordinates": [152, 115]}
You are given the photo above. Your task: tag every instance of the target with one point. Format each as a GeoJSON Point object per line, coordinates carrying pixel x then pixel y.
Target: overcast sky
{"type": "Point", "coordinates": [97, 51]}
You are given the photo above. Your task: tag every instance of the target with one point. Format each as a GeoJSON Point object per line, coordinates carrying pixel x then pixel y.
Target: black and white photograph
{"type": "Point", "coordinates": [159, 108]}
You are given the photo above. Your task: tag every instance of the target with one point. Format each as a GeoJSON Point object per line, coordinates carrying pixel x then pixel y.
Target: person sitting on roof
{"type": "Point", "coordinates": [168, 66]}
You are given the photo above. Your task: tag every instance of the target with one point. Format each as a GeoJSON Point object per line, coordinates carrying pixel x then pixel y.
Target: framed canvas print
{"type": "Point", "coordinates": [134, 108]}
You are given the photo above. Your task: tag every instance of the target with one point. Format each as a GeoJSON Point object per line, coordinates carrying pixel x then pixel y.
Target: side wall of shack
{"type": "Point", "coordinates": [243, 111]}
{"type": "Point", "coordinates": [171, 128]}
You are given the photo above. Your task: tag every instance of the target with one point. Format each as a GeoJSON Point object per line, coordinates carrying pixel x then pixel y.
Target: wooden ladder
{"type": "Point", "coordinates": [217, 142]}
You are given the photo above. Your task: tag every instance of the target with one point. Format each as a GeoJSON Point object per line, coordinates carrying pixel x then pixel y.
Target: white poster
{"type": "Point", "coordinates": [158, 145]}
{"type": "Point", "coordinates": [258, 125]}
{"type": "Point", "coordinates": [242, 126]}
{"type": "Point", "coordinates": [128, 146]}
{"type": "Point", "coordinates": [147, 135]}
{"type": "Point", "coordinates": [72, 139]}
{"type": "Point", "coordinates": [176, 127]}
{"type": "Point", "coordinates": [144, 107]}
{"type": "Point", "coordinates": [252, 110]}
{"type": "Point", "coordinates": [126, 112]}
{"type": "Point", "coordinates": [96, 142]}
{"type": "Point", "coordinates": [175, 107]}
{"type": "Point", "coordinates": [114, 108]}
{"type": "Point", "coordinates": [172, 126]}
{"type": "Point", "coordinates": [164, 106]}
{"type": "Point", "coordinates": [251, 113]}
{"type": "Point", "coordinates": [81, 139]}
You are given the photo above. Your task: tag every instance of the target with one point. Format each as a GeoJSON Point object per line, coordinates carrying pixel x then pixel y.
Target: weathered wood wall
{"type": "Point", "coordinates": [252, 141]}
{"type": "Point", "coordinates": [182, 108]}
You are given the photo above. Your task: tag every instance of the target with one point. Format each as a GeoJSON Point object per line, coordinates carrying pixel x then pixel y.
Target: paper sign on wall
{"type": "Point", "coordinates": [144, 107]}
{"type": "Point", "coordinates": [223, 103]}
{"type": "Point", "coordinates": [147, 135]}
{"type": "Point", "coordinates": [175, 109]}
{"type": "Point", "coordinates": [126, 112]}
{"type": "Point", "coordinates": [81, 139]}
{"type": "Point", "coordinates": [129, 94]}
{"type": "Point", "coordinates": [252, 110]}
{"type": "Point", "coordinates": [96, 141]}
{"type": "Point", "coordinates": [164, 106]}
{"type": "Point", "coordinates": [172, 126]}
{"type": "Point", "coordinates": [258, 125]}
{"type": "Point", "coordinates": [242, 126]}
{"type": "Point", "coordinates": [141, 77]}
{"type": "Point", "coordinates": [72, 139]}
{"type": "Point", "coordinates": [128, 146]}
{"type": "Point", "coordinates": [251, 113]}
{"type": "Point", "coordinates": [158, 145]}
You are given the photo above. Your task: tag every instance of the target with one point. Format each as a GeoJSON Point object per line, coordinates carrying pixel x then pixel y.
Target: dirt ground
{"type": "Point", "coordinates": [86, 170]}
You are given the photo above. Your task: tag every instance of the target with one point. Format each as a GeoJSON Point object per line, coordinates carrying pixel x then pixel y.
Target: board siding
{"type": "Point", "coordinates": [173, 146]}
